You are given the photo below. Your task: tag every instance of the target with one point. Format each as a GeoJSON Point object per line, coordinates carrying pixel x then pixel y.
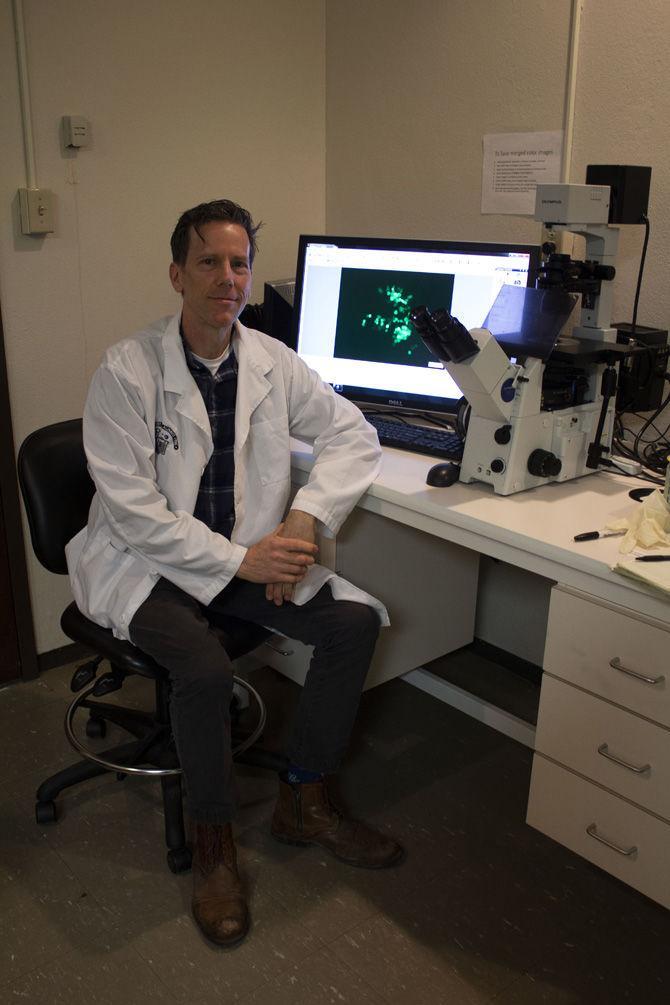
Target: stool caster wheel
{"type": "Point", "coordinates": [45, 812]}
{"type": "Point", "coordinates": [96, 728]}
{"type": "Point", "coordinates": [121, 776]}
{"type": "Point", "coordinates": [179, 860]}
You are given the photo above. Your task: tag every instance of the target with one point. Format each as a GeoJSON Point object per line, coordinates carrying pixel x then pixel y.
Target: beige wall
{"type": "Point", "coordinates": [411, 88]}
{"type": "Point", "coordinates": [622, 116]}
{"type": "Point", "coordinates": [187, 101]}
{"type": "Point", "coordinates": [356, 116]}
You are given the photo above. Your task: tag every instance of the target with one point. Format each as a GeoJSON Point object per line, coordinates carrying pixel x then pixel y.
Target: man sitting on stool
{"type": "Point", "coordinates": [186, 430]}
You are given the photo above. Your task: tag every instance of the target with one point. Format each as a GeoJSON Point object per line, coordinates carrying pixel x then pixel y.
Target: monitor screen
{"type": "Point", "coordinates": [353, 298]}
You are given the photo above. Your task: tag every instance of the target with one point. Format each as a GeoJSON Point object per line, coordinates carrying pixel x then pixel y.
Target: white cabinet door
{"type": "Point", "coordinates": [429, 587]}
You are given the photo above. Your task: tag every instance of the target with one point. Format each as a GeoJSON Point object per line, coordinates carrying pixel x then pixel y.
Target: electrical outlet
{"type": "Point", "coordinates": [36, 207]}
{"type": "Point", "coordinates": [76, 131]}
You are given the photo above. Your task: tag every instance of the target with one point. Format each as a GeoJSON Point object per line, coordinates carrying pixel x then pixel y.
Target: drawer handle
{"type": "Point", "coordinates": [616, 664]}
{"type": "Point", "coordinates": [639, 769]}
{"type": "Point", "coordinates": [592, 831]}
{"type": "Point", "coordinates": [280, 652]}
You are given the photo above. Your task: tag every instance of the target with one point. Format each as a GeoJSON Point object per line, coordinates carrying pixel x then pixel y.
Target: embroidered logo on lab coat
{"type": "Point", "coordinates": [165, 434]}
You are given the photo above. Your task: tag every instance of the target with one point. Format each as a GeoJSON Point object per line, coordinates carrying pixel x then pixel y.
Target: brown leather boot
{"type": "Point", "coordinates": [218, 905]}
{"type": "Point", "coordinates": [305, 814]}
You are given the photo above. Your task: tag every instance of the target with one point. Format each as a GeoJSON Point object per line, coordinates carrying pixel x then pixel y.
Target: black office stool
{"type": "Point", "coordinates": [57, 492]}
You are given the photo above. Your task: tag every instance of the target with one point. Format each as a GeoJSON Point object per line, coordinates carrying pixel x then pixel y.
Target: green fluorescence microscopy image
{"type": "Point", "coordinates": [373, 314]}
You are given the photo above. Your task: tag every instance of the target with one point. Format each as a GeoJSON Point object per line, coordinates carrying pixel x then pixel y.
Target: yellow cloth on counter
{"type": "Point", "coordinates": [656, 574]}
{"type": "Point", "coordinates": [646, 526]}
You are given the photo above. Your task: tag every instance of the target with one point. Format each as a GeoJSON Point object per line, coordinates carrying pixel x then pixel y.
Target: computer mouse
{"type": "Point", "coordinates": [441, 475]}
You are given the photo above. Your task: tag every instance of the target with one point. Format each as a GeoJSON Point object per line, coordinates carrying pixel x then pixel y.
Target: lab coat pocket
{"type": "Point", "coordinates": [116, 562]}
{"type": "Point", "coordinates": [101, 573]}
{"type": "Point", "coordinates": [270, 450]}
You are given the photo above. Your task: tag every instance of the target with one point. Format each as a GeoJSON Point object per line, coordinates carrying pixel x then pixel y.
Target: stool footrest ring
{"type": "Point", "coordinates": [126, 769]}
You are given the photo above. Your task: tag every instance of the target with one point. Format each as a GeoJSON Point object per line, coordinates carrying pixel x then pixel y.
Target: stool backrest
{"type": "Point", "coordinates": [56, 488]}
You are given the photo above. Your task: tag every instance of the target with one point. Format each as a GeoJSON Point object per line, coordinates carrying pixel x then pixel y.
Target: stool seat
{"type": "Point", "coordinates": [237, 638]}
{"type": "Point", "coordinates": [103, 642]}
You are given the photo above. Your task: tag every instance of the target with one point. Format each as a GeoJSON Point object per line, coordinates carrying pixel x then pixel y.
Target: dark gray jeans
{"type": "Point", "coordinates": [178, 633]}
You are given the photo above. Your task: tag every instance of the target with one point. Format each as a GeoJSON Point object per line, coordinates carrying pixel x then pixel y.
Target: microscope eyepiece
{"type": "Point", "coordinates": [443, 334]}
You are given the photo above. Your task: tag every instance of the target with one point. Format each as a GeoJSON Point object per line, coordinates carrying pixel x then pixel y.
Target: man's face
{"type": "Point", "coordinates": [215, 280]}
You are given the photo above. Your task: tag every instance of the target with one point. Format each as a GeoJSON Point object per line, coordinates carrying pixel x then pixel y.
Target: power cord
{"type": "Point", "coordinates": [647, 228]}
{"type": "Point", "coordinates": [403, 416]}
{"type": "Point", "coordinates": [652, 453]}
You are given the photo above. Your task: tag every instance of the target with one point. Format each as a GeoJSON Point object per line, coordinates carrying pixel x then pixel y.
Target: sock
{"type": "Point", "coordinates": [298, 776]}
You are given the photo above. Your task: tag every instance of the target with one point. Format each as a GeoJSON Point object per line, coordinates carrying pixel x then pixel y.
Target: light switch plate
{"type": "Point", "coordinates": [37, 210]}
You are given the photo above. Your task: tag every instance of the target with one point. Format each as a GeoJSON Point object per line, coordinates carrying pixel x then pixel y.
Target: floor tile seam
{"type": "Point", "coordinates": [503, 990]}
{"type": "Point", "coordinates": [33, 968]}
{"type": "Point", "coordinates": [271, 982]}
{"type": "Point", "coordinates": [223, 953]}
{"type": "Point", "coordinates": [110, 919]}
{"type": "Point", "coordinates": [28, 704]}
{"type": "Point", "coordinates": [361, 978]}
{"type": "Point", "coordinates": [45, 962]}
{"type": "Point", "coordinates": [303, 928]}
{"type": "Point", "coordinates": [454, 971]}
{"type": "Point", "coordinates": [361, 920]}
{"type": "Point", "coordinates": [151, 967]}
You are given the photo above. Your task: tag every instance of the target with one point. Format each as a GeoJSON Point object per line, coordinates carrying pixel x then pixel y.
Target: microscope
{"type": "Point", "coordinates": [540, 406]}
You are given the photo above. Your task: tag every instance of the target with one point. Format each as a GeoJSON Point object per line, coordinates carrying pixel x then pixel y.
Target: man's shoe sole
{"type": "Point", "coordinates": [317, 844]}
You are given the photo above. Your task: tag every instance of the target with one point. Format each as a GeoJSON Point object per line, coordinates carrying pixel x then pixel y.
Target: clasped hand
{"type": "Point", "coordinates": [281, 559]}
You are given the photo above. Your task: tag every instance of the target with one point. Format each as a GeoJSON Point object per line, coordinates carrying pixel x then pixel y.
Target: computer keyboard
{"type": "Point", "coordinates": [420, 439]}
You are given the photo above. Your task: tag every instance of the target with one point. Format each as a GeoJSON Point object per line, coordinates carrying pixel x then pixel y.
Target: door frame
{"type": "Point", "coordinates": [18, 570]}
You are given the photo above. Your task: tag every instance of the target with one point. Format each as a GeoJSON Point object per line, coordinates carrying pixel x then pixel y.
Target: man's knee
{"type": "Point", "coordinates": [355, 624]}
{"type": "Point", "coordinates": [192, 655]}
{"type": "Point", "coordinates": [207, 673]}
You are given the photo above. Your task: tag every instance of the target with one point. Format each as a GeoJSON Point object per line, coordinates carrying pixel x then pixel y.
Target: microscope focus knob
{"type": "Point", "coordinates": [503, 434]}
{"type": "Point", "coordinates": [544, 464]}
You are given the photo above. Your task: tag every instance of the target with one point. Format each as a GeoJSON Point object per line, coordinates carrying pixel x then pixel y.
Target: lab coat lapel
{"type": "Point", "coordinates": [253, 363]}
{"type": "Point", "coordinates": [178, 380]}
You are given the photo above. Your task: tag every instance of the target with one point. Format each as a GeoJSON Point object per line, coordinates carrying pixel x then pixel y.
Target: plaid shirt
{"type": "Point", "coordinates": [215, 504]}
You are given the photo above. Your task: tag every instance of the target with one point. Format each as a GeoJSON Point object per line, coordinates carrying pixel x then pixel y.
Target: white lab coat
{"type": "Point", "coordinates": [147, 438]}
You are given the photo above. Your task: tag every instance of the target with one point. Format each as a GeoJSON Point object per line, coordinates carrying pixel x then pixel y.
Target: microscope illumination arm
{"type": "Point", "coordinates": [602, 241]}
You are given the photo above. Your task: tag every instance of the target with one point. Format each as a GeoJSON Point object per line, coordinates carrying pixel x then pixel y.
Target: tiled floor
{"type": "Point", "coordinates": [483, 909]}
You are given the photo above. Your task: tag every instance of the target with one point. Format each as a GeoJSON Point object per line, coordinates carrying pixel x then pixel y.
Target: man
{"type": "Point", "coordinates": [186, 430]}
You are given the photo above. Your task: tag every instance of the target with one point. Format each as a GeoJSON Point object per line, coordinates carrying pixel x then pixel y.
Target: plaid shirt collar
{"type": "Point", "coordinates": [197, 368]}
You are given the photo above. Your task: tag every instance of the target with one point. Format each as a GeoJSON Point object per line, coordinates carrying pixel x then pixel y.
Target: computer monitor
{"type": "Point", "coordinates": [278, 310]}
{"type": "Point", "coordinates": [353, 297]}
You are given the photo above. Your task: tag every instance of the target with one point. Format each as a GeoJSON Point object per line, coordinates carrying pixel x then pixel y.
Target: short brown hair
{"type": "Point", "coordinates": [210, 212]}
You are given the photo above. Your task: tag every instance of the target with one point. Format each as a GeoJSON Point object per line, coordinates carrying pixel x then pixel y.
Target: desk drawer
{"type": "Point", "coordinates": [291, 658]}
{"type": "Point", "coordinates": [585, 733]}
{"type": "Point", "coordinates": [563, 806]}
{"type": "Point", "coordinates": [601, 647]}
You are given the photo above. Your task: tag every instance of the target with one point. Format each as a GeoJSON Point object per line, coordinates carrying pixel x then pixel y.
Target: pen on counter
{"type": "Point", "coordinates": [653, 558]}
{"type": "Point", "coordinates": [593, 535]}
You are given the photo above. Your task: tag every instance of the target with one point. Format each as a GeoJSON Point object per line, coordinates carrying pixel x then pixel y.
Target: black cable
{"type": "Point", "coordinates": [650, 421]}
{"type": "Point", "coordinates": [647, 228]}
{"type": "Point", "coordinates": [402, 417]}
{"type": "Point", "coordinates": [610, 466]}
